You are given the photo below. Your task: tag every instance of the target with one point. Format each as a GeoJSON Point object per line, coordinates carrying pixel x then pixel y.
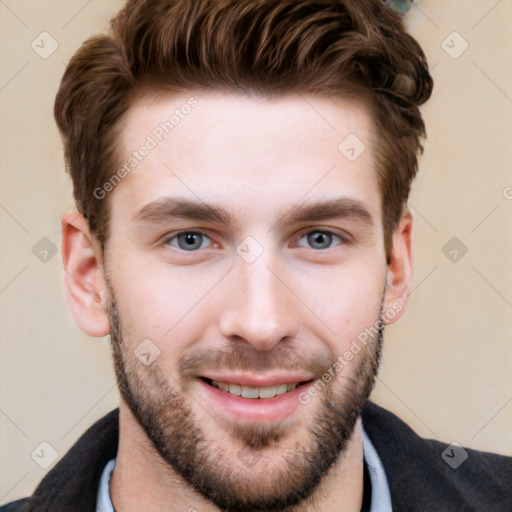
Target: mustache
{"type": "Point", "coordinates": [242, 358]}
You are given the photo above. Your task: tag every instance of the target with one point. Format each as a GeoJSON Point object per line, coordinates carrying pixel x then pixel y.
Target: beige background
{"type": "Point", "coordinates": [446, 367]}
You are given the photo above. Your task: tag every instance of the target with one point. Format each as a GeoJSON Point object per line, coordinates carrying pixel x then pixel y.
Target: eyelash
{"type": "Point", "coordinates": [343, 239]}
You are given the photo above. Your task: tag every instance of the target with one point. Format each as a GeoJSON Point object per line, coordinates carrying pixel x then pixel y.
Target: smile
{"type": "Point", "coordinates": [246, 399]}
{"type": "Point", "coordinates": [255, 392]}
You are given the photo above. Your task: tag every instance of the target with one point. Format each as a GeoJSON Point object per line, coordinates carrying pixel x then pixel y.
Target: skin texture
{"type": "Point", "coordinates": [287, 302]}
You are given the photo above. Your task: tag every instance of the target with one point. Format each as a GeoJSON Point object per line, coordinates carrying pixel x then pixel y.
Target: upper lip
{"type": "Point", "coordinates": [255, 380]}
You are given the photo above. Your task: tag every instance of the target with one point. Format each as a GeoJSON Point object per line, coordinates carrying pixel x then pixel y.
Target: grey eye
{"type": "Point", "coordinates": [318, 240]}
{"type": "Point", "coordinates": [189, 241]}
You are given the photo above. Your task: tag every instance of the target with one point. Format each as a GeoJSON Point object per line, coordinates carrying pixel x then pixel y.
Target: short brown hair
{"type": "Point", "coordinates": [266, 47]}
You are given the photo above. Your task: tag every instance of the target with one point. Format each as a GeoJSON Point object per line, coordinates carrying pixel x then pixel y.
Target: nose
{"type": "Point", "coordinates": [259, 308]}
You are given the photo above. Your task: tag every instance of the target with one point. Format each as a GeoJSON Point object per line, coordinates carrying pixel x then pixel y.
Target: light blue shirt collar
{"type": "Point", "coordinates": [104, 503]}
{"type": "Point", "coordinates": [381, 498]}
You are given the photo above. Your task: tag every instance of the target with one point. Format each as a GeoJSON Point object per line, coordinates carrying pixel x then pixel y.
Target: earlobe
{"type": "Point", "coordinates": [400, 271]}
{"type": "Point", "coordinates": [84, 282]}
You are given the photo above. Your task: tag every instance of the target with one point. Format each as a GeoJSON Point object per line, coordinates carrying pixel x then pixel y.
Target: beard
{"type": "Point", "coordinates": [164, 412]}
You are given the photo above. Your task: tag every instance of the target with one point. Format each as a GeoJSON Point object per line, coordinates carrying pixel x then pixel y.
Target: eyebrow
{"type": "Point", "coordinates": [169, 208]}
{"type": "Point", "coordinates": [338, 208]}
{"type": "Point", "coordinates": [174, 208]}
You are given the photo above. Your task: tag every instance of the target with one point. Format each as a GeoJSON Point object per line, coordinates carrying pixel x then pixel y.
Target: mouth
{"type": "Point", "coordinates": [263, 401]}
{"type": "Point", "coordinates": [253, 392]}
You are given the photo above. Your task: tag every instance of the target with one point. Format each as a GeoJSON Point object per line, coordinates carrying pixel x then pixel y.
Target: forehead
{"type": "Point", "coordinates": [247, 152]}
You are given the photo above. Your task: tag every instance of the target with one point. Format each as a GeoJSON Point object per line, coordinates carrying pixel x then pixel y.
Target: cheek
{"type": "Point", "coordinates": [346, 300]}
{"type": "Point", "coordinates": [159, 302]}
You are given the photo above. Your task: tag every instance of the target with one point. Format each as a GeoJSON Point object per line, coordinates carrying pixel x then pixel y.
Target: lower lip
{"type": "Point", "coordinates": [273, 409]}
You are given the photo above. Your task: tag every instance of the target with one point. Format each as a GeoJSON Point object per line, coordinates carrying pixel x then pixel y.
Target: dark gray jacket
{"type": "Point", "coordinates": [420, 478]}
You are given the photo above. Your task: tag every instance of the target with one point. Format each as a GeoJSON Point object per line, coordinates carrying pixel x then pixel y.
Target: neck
{"type": "Point", "coordinates": [142, 481]}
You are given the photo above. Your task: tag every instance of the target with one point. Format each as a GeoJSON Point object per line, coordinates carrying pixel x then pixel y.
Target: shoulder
{"type": "Point", "coordinates": [73, 483]}
{"type": "Point", "coordinates": [14, 506]}
{"type": "Point", "coordinates": [427, 471]}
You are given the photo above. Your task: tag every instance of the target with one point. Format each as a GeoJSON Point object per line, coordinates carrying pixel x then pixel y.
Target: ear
{"type": "Point", "coordinates": [84, 282]}
{"type": "Point", "coordinates": [400, 270]}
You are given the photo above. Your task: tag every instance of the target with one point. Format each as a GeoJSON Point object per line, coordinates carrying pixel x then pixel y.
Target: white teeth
{"type": "Point", "coordinates": [250, 392]}
{"type": "Point", "coordinates": [223, 386]}
{"type": "Point", "coordinates": [235, 389]}
{"type": "Point", "coordinates": [267, 392]}
{"type": "Point", "coordinates": [281, 389]}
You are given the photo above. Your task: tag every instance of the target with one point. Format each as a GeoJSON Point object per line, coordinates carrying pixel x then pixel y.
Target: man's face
{"type": "Point", "coordinates": [246, 255]}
